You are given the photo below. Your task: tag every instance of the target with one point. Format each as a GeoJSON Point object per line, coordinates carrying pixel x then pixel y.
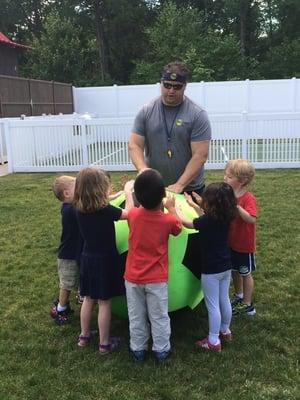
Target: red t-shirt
{"type": "Point", "coordinates": [242, 236]}
{"type": "Point", "coordinates": [147, 258]}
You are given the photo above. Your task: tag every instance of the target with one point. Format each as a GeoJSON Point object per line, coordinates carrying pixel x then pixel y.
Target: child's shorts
{"type": "Point", "coordinates": [68, 273]}
{"type": "Point", "coordinates": [243, 263]}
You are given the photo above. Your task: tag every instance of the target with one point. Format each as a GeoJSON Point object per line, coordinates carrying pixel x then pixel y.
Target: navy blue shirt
{"type": "Point", "coordinates": [70, 241]}
{"type": "Point", "coordinates": [214, 250]}
{"type": "Point", "coordinates": [98, 230]}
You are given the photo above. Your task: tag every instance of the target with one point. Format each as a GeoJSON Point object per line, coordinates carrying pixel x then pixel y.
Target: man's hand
{"type": "Point", "coordinates": [175, 188]}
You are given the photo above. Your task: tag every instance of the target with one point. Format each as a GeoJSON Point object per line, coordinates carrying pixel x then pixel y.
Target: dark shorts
{"type": "Point", "coordinates": [243, 263]}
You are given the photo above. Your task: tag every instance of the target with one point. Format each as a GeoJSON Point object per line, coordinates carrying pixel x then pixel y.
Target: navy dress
{"type": "Point", "coordinates": [100, 268]}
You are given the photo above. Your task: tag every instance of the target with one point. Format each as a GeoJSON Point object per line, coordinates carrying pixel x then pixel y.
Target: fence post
{"type": "Point", "coordinates": [1, 108]}
{"type": "Point", "coordinates": [30, 98]}
{"type": "Point", "coordinates": [203, 97]}
{"type": "Point", "coordinates": [10, 159]}
{"type": "Point", "coordinates": [84, 143]}
{"type": "Point", "coordinates": [1, 144]}
{"type": "Point", "coordinates": [116, 100]}
{"type": "Point", "coordinates": [244, 133]}
{"type": "Point", "coordinates": [294, 93]}
{"type": "Point", "coordinates": [246, 105]}
{"type": "Point", "coordinates": [53, 97]}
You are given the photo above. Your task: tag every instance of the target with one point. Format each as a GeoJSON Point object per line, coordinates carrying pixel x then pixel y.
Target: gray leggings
{"type": "Point", "coordinates": [216, 296]}
{"type": "Point", "coordinates": [148, 310]}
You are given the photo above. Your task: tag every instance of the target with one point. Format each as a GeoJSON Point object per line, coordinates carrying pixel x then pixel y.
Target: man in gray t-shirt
{"type": "Point", "coordinates": [172, 134]}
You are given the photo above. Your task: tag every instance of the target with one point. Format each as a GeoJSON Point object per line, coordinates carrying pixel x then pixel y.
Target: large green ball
{"type": "Point", "coordinates": [184, 287]}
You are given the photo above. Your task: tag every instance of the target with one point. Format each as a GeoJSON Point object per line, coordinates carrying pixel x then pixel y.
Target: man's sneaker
{"type": "Point", "coordinates": [138, 355]}
{"type": "Point", "coordinates": [244, 309]}
{"type": "Point", "coordinates": [205, 344]}
{"type": "Point", "coordinates": [162, 356]}
{"type": "Point", "coordinates": [226, 337]}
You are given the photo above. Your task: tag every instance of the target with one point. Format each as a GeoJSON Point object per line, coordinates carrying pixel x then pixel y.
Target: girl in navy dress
{"type": "Point", "coordinates": [216, 209]}
{"type": "Point", "coordinates": [100, 274]}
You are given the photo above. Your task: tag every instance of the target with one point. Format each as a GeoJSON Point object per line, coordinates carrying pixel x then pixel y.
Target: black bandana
{"type": "Point", "coordinates": [172, 76]}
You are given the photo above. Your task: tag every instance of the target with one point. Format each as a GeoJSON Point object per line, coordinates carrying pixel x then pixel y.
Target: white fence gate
{"type": "Point", "coordinates": [68, 144]}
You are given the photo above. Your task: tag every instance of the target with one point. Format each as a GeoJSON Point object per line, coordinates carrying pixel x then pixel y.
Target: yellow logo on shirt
{"type": "Point", "coordinates": [179, 122]}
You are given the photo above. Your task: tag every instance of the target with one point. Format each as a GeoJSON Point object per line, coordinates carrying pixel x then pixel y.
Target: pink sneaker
{"type": "Point", "coordinates": [226, 337]}
{"type": "Point", "coordinates": [205, 344]}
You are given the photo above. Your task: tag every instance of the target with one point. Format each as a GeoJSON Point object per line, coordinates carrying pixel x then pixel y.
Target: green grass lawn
{"type": "Point", "coordinates": [39, 360]}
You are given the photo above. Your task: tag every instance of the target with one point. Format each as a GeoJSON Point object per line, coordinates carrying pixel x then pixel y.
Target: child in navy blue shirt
{"type": "Point", "coordinates": [100, 268]}
{"type": "Point", "coordinates": [216, 209]}
{"type": "Point", "coordinates": [69, 249]}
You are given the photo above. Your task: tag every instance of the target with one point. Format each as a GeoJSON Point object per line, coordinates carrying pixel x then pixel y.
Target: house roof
{"type": "Point", "coordinates": [5, 40]}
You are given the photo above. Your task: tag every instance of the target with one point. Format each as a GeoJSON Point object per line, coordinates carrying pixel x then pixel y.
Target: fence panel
{"type": "Point", "coordinates": [33, 97]}
{"type": "Point", "coordinates": [46, 145]}
{"type": "Point", "coordinates": [68, 144]}
{"type": "Point", "coordinates": [261, 96]}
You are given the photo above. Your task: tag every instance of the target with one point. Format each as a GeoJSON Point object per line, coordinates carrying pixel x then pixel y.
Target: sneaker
{"type": "Point", "coordinates": [205, 344]}
{"type": "Point", "coordinates": [54, 312]}
{"type": "Point", "coordinates": [79, 299]}
{"type": "Point", "coordinates": [61, 320]}
{"type": "Point", "coordinates": [138, 355]}
{"type": "Point", "coordinates": [235, 301]}
{"type": "Point", "coordinates": [162, 356]}
{"type": "Point", "coordinates": [244, 309]}
{"type": "Point", "coordinates": [226, 337]}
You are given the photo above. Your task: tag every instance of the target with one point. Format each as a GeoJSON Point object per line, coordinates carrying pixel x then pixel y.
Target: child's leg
{"type": "Point", "coordinates": [63, 298]}
{"type": "Point", "coordinates": [237, 284]}
{"type": "Point", "coordinates": [225, 306]}
{"type": "Point", "coordinates": [104, 317]}
{"type": "Point", "coordinates": [138, 319]}
{"type": "Point", "coordinates": [85, 316]}
{"type": "Point", "coordinates": [157, 304]}
{"type": "Point", "coordinates": [210, 285]}
{"type": "Point", "coordinates": [248, 286]}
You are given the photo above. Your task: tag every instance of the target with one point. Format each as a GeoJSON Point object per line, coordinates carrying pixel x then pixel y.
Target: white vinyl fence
{"type": "Point", "coordinates": [3, 151]}
{"type": "Point", "coordinates": [70, 142]}
{"type": "Point", "coordinates": [254, 97]}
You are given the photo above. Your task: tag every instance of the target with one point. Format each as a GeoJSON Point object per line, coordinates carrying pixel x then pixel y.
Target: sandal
{"type": "Point", "coordinates": [84, 341]}
{"type": "Point", "coordinates": [114, 343]}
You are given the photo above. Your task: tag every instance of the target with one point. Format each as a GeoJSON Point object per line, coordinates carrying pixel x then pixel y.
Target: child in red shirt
{"type": "Point", "coordinates": [242, 236]}
{"type": "Point", "coordinates": [146, 271]}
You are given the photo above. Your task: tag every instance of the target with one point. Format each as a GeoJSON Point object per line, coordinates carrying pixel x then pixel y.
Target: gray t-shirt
{"type": "Point", "coordinates": [168, 133]}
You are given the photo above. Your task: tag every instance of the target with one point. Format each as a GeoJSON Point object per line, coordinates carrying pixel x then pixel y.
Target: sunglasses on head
{"type": "Point", "coordinates": [175, 86]}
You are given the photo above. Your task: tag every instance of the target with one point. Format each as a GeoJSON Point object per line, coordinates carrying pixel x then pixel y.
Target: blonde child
{"type": "Point", "coordinates": [242, 238]}
{"type": "Point", "coordinates": [99, 260]}
{"type": "Point", "coordinates": [69, 249]}
{"type": "Point", "coordinates": [216, 209]}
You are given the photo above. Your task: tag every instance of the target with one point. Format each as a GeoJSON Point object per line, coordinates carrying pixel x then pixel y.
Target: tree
{"type": "Point", "coordinates": [181, 33]}
{"type": "Point", "coordinates": [282, 61]}
{"type": "Point", "coordinates": [63, 53]}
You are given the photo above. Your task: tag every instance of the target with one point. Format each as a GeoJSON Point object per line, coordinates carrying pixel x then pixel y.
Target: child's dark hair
{"type": "Point", "coordinates": [149, 189]}
{"type": "Point", "coordinates": [219, 202]}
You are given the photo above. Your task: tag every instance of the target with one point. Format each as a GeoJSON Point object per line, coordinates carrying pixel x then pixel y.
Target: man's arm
{"type": "Point", "coordinates": [199, 156]}
{"type": "Point", "coordinates": [136, 147]}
